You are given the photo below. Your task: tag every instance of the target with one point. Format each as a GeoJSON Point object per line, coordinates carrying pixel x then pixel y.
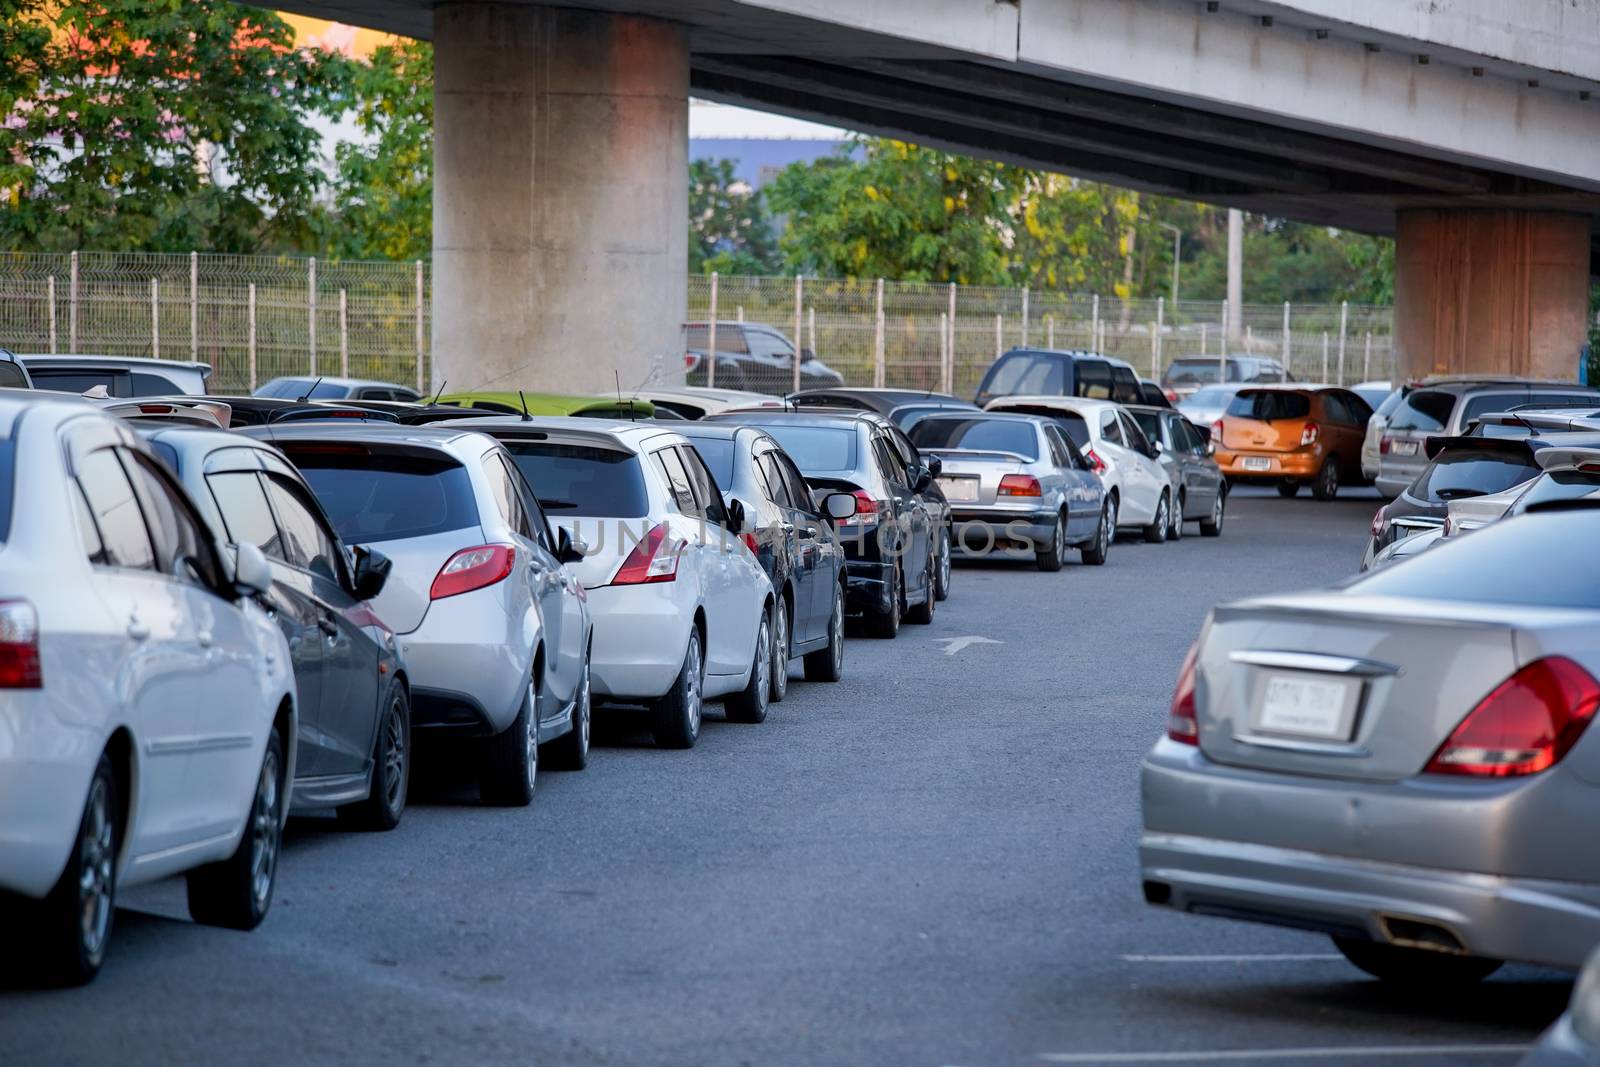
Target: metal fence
{"type": "Point", "coordinates": [256, 317]}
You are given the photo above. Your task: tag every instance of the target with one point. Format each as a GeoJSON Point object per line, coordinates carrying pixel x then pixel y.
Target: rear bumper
{"type": "Point", "coordinates": [869, 586]}
{"type": "Point", "coordinates": [641, 634]}
{"type": "Point", "coordinates": [468, 654]}
{"type": "Point", "coordinates": [1281, 464]}
{"type": "Point", "coordinates": [46, 763]}
{"type": "Point", "coordinates": [980, 530]}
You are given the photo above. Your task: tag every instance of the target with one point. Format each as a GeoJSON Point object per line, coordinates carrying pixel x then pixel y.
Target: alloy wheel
{"type": "Point", "coordinates": [584, 712]}
{"type": "Point", "coordinates": [97, 862]}
{"type": "Point", "coordinates": [780, 651]}
{"type": "Point", "coordinates": [266, 825]}
{"type": "Point", "coordinates": [394, 756]}
{"type": "Point", "coordinates": [944, 563]}
{"type": "Point", "coordinates": [836, 624]}
{"type": "Point", "coordinates": [692, 694]}
{"type": "Point", "coordinates": [1216, 511]}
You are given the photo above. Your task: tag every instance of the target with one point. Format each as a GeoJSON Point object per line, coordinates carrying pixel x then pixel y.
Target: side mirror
{"type": "Point", "coordinates": [921, 478]}
{"type": "Point", "coordinates": [735, 519]}
{"type": "Point", "coordinates": [1157, 448]}
{"type": "Point", "coordinates": [935, 465]}
{"type": "Point", "coordinates": [568, 550]}
{"type": "Point", "coordinates": [371, 573]}
{"type": "Point", "coordinates": [839, 506]}
{"type": "Point", "coordinates": [252, 574]}
{"type": "Point", "coordinates": [806, 355]}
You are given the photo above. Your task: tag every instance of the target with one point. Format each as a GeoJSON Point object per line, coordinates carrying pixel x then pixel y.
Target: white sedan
{"type": "Point", "coordinates": [147, 704]}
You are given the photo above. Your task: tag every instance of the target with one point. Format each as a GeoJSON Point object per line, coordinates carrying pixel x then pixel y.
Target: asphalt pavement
{"type": "Point", "coordinates": [932, 862]}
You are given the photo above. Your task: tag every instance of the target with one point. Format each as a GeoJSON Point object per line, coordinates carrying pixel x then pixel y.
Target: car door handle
{"type": "Point", "coordinates": [326, 624]}
{"type": "Point", "coordinates": [204, 638]}
{"type": "Point", "coordinates": [138, 630]}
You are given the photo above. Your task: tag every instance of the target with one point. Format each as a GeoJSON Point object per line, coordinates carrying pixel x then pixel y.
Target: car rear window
{"type": "Point", "coordinates": [1424, 409]}
{"type": "Point", "coordinates": [816, 449]}
{"type": "Point", "coordinates": [1070, 422]}
{"type": "Point", "coordinates": [1557, 486]}
{"type": "Point", "coordinates": [1199, 372]}
{"type": "Point", "coordinates": [1555, 565]}
{"type": "Point", "coordinates": [1390, 402]}
{"type": "Point", "coordinates": [1026, 372]}
{"type": "Point", "coordinates": [1493, 402]}
{"type": "Point", "coordinates": [64, 380]}
{"type": "Point", "coordinates": [11, 375]}
{"type": "Point", "coordinates": [718, 454]}
{"type": "Point", "coordinates": [1269, 405]}
{"type": "Point", "coordinates": [8, 468]}
{"type": "Point", "coordinates": [1457, 473]}
{"type": "Point", "coordinates": [978, 435]}
{"type": "Point", "coordinates": [601, 483]}
{"type": "Point", "coordinates": [386, 497]}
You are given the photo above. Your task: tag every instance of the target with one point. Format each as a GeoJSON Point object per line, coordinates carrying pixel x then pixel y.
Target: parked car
{"type": "Point", "coordinates": [1574, 1039]}
{"type": "Point", "coordinates": [514, 402]}
{"type": "Point", "coordinates": [696, 402]}
{"type": "Point", "coordinates": [1048, 372]}
{"type": "Point", "coordinates": [492, 627]}
{"type": "Point", "coordinates": [353, 747]}
{"type": "Point", "coordinates": [13, 374]}
{"type": "Point", "coordinates": [147, 707]}
{"type": "Point", "coordinates": [1207, 404]}
{"type": "Point", "coordinates": [1403, 761]}
{"type": "Point", "coordinates": [1022, 481]}
{"type": "Point", "coordinates": [311, 387]}
{"type": "Point", "coordinates": [1138, 489]}
{"type": "Point", "coordinates": [1293, 435]}
{"type": "Point", "coordinates": [883, 401]}
{"type": "Point", "coordinates": [121, 376]}
{"type": "Point", "coordinates": [1188, 374]}
{"type": "Point", "coordinates": [1152, 394]}
{"type": "Point", "coordinates": [1447, 406]}
{"type": "Point", "coordinates": [682, 608]}
{"type": "Point", "coordinates": [891, 575]}
{"type": "Point", "coordinates": [752, 356]}
{"type": "Point", "coordinates": [1373, 392]}
{"type": "Point", "coordinates": [1199, 491]}
{"type": "Point", "coordinates": [1372, 440]}
{"type": "Point", "coordinates": [791, 532]}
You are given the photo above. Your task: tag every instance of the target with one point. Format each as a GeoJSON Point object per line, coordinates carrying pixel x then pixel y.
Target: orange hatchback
{"type": "Point", "coordinates": [1293, 435]}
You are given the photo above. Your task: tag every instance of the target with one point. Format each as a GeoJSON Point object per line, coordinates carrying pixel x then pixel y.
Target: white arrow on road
{"type": "Point", "coordinates": [956, 644]}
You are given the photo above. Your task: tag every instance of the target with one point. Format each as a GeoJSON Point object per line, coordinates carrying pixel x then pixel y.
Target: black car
{"type": "Point", "coordinates": [1152, 395]}
{"type": "Point", "coordinates": [1184, 451]}
{"type": "Point", "coordinates": [753, 356]}
{"type": "Point", "coordinates": [1047, 372]}
{"type": "Point", "coordinates": [891, 558]}
{"type": "Point", "coordinates": [896, 404]}
{"type": "Point", "coordinates": [791, 531]}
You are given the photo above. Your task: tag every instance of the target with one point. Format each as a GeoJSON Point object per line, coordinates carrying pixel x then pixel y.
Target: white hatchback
{"type": "Point", "coordinates": [147, 704]}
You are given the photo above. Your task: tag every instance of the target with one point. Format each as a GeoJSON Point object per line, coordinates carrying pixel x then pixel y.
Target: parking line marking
{"type": "Point", "coordinates": [1251, 957]}
{"type": "Point", "coordinates": [1314, 1052]}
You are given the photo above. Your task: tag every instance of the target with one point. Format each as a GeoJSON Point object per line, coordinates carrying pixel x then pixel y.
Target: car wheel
{"type": "Point", "coordinates": [511, 766]}
{"type": "Point", "coordinates": [677, 715]}
{"type": "Point", "coordinates": [886, 624]}
{"type": "Point", "coordinates": [570, 751]}
{"type": "Point", "coordinates": [1326, 487]}
{"type": "Point", "coordinates": [237, 892]}
{"type": "Point", "coordinates": [391, 768]}
{"type": "Point", "coordinates": [1096, 551]}
{"type": "Point", "coordinates": [1287, 488]}
{"type": "Point", "coordinates": [1176, 533]}
{"type": "Point", "coordinates": [1419, 968]}
{"type": "Point", "coordinates": [942, 574]}
{"type": "Point", "coordinates": [827, 664]}
{"type": "Point", "coordinates": [1212, 526]}
{"type": "Point", "coordinates": [1052, 556]}
{"type": "Point", "coordinates": [922, 614]}
{"type": "Point", "coordinates": [750, 703]}
{"type": "Point", "coordinates": [780, 651]}
{"type": "Point", "coordinates": [1157, 531]}
{"type": "Point", "coordinates": [69, 930]}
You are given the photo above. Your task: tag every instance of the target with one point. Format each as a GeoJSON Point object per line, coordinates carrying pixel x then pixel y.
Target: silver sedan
{"type": "Point", "coordinates": [1403, 762]}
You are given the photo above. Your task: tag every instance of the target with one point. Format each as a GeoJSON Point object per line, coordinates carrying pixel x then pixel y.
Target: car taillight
{"type": "Point", "coordinates": [19, 646]}
{"type": "Point", "coordinates": [1019, 485]}
{"type": "Point", "coordinates": [1383, 446]}
{"type": "Point", "coordinates": [1171, 395]}
{"type": "Point", "coordinates": [1216, 431]}
{"type": "Point", "coordinates": [749, 540]}
{"type": "Point", "coordinates": [1379, 517]}
{"type": "Point", "coordinates": [866, 509]}
{"type": "Point", "coordinates": [1095, 461]}
{"type": "Point", "coordinates": [1182, 725]}
{"type": "Point", "coordinates": [1309, 433]}
{"type": "Point", "coordinates": [1525, 725]}
{"type": "Point", "coordinates": [655, 559]}
{"type": "Point", "coordinates": [691, 360]}
{"type": "Point", "coordinates": [472, 568]}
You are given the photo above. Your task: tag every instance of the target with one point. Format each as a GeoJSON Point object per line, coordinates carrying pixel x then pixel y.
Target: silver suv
{"type": "Point", "coordinates": [1447, 406]}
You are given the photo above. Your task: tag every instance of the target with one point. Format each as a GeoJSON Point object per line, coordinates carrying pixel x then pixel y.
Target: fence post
{"type": "Point", "coordinates": [155, 317]}
{"type": "Point", "coordinates": [52, 296]}
{"type": "Point", "coordinates": [799, 305]}
{"type": "Point", "coordinates": [1324, 356]}
{"type": "Point", "coordinates": [194, 305]}
{"type": "Point", "coordinates": [1286, 335]}
{"type": "Point", "coordinates": [1222, 346]}
{"type": "Point", "coordinates": [72, 309]}
{"type": "Point", "coordinates": [1094, 322]}
{"type": "Point", "coordinates": [811, 328]}
{"type": "Point", "coordinates": [1024, 316]}
{"type": "Point", "coordinates": [949, 375]}
{"type": "Point", "coordinates": [250, 339]}
{"type": "Point", "coordinates": [711, 337]}
{"type": "Point", "coordinates": [1160, 341]}
{"type": "Point", "coordinates": [999, 337]}
{"type": "Point", "coordinates": [740, 309]}
{"type": "Point", "coordinates": [944, 343]}
{"type": "Point", "coordinates": [344, 338]}
{"type": "Point", "coordinates": [877, 341]}
{"type": "Point", "coordinates": [1344, 319]}
{"type": "Point", "coordinates": [1049, 331]}
{"type": "Point", "coordinates": [1202, 338]}
{"type": "Point", "coordinates": [1366, 360]}
{"type": "Point", "coordinates": [1250, 340]}
{"type": "Point", "coordinates": [420, 387]}
{"type": "Point", "coordinates": [311, 311]}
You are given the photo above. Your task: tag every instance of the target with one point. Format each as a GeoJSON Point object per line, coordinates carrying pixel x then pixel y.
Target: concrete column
{"type": "Point", "coordinates": [560, 197]}
{"type": "Point", "coordinates": [1501, 291]}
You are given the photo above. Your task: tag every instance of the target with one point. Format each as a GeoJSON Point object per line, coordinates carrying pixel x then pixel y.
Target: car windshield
{"type": "Point", "coordinates": [1555, 565]}
{"type": "Point", "coordinates": [1199, 371]}
{"type": "Point", "coordinates": [1424, 409]}
{"type": "Point", "coordinates": [817, 449]}
{"type": "Point", "coordinates": [1456, 473]}
{"type": "Point", "coordinates": [1559, 485]}
{"type": "Point", "coordinates": [978, 435]}
{"type": "Point", "coordinates": [386, 497]}
{"type": "Point", "coordinates": [599, 483]}
{"type": "Point", "coordinates": [718, 454]}
{"type": "Point", "coordinates": [1026, 372]}
{"type": "Point", "coordinates": [1269, 405]}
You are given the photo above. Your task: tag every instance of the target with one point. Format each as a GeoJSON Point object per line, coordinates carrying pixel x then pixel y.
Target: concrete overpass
{"type": "Point", "coordinates": [1466, 128]}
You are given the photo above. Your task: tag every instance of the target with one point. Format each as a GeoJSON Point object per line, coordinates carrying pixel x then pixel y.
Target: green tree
{"type": "Point", "coordinates": [158, 125]}
{"type": "Point", "coordinates": [383, 196]}
{"type": "Point", "coordinates": [729, 228]}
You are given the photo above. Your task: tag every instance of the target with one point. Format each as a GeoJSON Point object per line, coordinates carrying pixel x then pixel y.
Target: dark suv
{"type": "Point", "coordinates": [754, 356]}
{"type": "Point", "coordinates": [1046, 372]}
{"type": "Point", "coordinates": [1188, 373]}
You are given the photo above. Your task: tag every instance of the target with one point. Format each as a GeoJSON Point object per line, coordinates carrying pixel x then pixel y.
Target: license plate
{"type": "Point", "coordinates": [959, 489]}
{"type": "Point", "coordinates": [1403, 448]}
{"type": "Point", "coordinates": [1256, 463]}
{"type": "Point", "coordinates": [1307, 706]}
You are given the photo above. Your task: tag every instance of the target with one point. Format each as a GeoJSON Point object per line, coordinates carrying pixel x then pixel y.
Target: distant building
{"type": "Point", "coordinates": [760, 144]}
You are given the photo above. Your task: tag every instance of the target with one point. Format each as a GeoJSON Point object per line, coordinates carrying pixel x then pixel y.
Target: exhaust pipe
{"type": "Point", "coordinates": [1424, 934]}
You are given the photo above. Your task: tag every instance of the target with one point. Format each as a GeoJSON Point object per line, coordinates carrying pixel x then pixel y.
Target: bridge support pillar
{"type": "Point", "coordinates": [560, 198]}
{"type": "Point", "coordinates": [1490, 290]}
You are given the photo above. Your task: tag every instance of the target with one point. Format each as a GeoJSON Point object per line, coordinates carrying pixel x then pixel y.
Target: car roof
{"type": "Point", "coordinates": [840, 417]}
{"type": "Point", "coordinates": [361, 432]}
{"type": "Point", "coordinates": [623, 430]}
{"type": "Point", "coordinates": [13, 402]}
{"type": "Point", "coordinates": [998, 416]}
{"type": "Point", "coordinates": [1046, 400]}
{"type": "Point", "coordinates": [44, 359]}
{"type": "Point", "coordinates": [328, 379]}
{"type": "Point", "coordinates": [1461, 385]}
{"type": "Point", "coordinates": [1154, 409]}
{"type": "Point", "coordinates": [1072, 353]}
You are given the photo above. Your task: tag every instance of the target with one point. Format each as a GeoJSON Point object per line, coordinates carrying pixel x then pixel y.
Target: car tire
{"type": "Point", "coordinates": [677, 715]}
{"type": "Point", "coordinates": [780, 651]}
{"type": "Point", "coordinates": [827, 664]}
{"type": "Point", "coordinates": [1095, 552]}
{"type": "Point", "coordinates": [1158, 529]}
{"type": "Point", "coordinates": [1212, 527]}
{"type": "Point", "coordinates": [749, 705]}
{"type": "Point", "coordinates": [1176, 532]}
{"type": "Point", "coordinates": [67, 932]}
{"type": "Point", "coordinates": [511, 765]}
{"type": "Point", "coordinates": [570, 751]}
{"type": "Point", "coordinates": [1053, 556]}
{"type": "Point", "coordinates": [1287, 488]}
{"type": "Point", "coordinates": [1326, 487]}
{"type": "Point", "coordinates": [1418, 968]}
{"type": "Point", "coordinates": [236, 892]}
{"type": "Point", "coordinates": [886, 624]}
{"type": "Point", "coordinates": [922, 614]}
{"type": "Point", "coordinates": [391, 768]}
{"type": "Point", "coordinates": [942, 574]}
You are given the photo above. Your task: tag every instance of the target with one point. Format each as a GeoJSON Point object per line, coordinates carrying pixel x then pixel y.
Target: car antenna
{"type": "Point", "coordinates": [440, 393]}
{"type": "Point", "coordinates": [618, 376]}
{"type": "Point", "coordinates": [524, 400]}
{"type": "Point", "coordinates": [307, 396]}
